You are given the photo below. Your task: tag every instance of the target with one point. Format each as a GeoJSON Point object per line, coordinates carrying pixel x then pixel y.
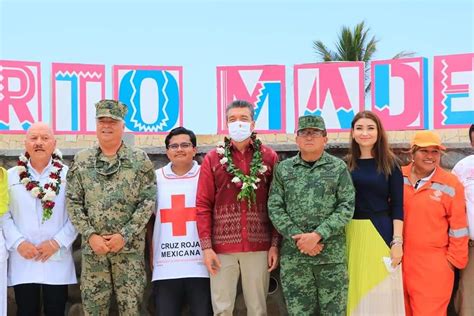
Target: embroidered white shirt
{"type": "Point", "coordinates": [23, 221]}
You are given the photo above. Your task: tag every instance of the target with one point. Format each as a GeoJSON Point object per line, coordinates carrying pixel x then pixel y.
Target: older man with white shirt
{"type": "Point", "coordinates": [37, 229]}
{"type": "Point", "coordinates": [464, 170]}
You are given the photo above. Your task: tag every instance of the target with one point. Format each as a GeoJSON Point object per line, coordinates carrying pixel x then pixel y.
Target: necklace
{"type": "Point", "coordinates": [47, 193]}
{"type": "Point", "coordinates": [247, 183]}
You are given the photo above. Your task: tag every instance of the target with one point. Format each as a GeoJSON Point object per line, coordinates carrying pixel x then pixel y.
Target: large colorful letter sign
{"type": "Point", "coordinates": [20, 95]}
{"type": "Point", "coordinates": [263, 86]}
{"type": "Point", "coordinates": [453, 90]}
{"type": "Point", "coordinates": [400, 92]}
{"type": "Point", "coordinates": [333, 90]}
{"type": "Point", "coordinates": [76, 89]}
{"type": "Point", "coordinates": [154, 96]}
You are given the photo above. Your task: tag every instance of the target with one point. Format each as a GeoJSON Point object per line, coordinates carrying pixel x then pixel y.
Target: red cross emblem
{"type": "Point", "coordinates": [178, 215]}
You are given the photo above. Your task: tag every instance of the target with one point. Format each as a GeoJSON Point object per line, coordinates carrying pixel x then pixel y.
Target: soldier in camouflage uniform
{"type": "Point", "coordinates": [311, 200]}
{"type": "Point", "coordinates": [110, 198]}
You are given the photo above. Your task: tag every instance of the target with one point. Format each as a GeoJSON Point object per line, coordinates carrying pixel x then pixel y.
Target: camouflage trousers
{"type": "Point", "coordinates": [311, 289]}
{"type": "Point", "coordinates": [122, 274]}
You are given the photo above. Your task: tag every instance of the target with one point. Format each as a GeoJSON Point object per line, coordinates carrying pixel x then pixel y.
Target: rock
{"type": "Point", "coordinates": [450, 159]}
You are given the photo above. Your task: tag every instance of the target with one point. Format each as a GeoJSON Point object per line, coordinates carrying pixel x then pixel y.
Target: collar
{"type": "Point", "coordinates": [433, 176]}
{"type": "Point", "coordinates": [321, 161]}
{"type": "Point", "coordinates": [33, 171]}
{"type": "Point", "coordinates": [428, 178]}
{"type": "Point", "coordinates": [168, 172]}
{"type": "Point", "coordinates": [122, 153]}
{"type": "Point", "coordinates": [249, 146]}
{"type": "Point", "coordinates": [406, 171]}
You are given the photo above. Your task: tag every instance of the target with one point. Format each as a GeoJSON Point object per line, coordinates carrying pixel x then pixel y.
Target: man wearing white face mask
{"type": "Point", "coordinates": [235, 231]}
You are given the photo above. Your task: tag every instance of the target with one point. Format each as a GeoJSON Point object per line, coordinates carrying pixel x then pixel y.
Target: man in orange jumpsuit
{"type": "Point", "coordinates": [435, 228]}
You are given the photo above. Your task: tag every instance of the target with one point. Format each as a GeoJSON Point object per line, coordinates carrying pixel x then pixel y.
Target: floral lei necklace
{"type": "Point", "coordinates": [48, 192]}
{"type": "Point", "coordinates": [247, 183]}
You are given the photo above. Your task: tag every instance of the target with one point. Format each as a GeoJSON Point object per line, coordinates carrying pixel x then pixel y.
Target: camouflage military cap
{"type": "Point", "coordinates": [311, 121]}
{"type": "Point", "coordinates": [110, 108]}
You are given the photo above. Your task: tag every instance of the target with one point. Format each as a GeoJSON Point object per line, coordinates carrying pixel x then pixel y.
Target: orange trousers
{"type": "Point", "coordinates": [428, 281]}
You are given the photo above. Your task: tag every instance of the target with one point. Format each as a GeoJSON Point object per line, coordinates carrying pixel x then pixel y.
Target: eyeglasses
{"type": "Point", "coordinates": [182, 145]}
{"type": "Point", "coordinates": [310, 132]}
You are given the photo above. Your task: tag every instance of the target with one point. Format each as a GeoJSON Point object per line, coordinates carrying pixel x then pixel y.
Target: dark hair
{"type": "Point", "coordinates": [241, 104]}
{"type": "Point", "coordinates": [471, 130]}
{"type": "Point", "coordinates": [180, 131]}
{"type": "Point", "coordinates": [384, 157]}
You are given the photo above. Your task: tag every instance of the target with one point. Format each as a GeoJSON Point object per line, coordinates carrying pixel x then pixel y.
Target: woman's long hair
{"type": "Point", "coordinates": [384, 157]}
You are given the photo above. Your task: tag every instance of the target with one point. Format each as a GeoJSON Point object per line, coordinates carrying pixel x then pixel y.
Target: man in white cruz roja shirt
{"type": "Point", "coordinates": [38, 232]}
{"type": "Point", "coordinates": [179, 274]}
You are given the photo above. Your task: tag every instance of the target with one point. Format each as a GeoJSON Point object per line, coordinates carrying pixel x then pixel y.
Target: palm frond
{"type": "Point", "coordinates": [324, 53]}
{"type": "Point", "coordinates": [354, 45]}
{"type": "Point", "coordinates": [403, 54]}
{"type": "Point", "coordinates": [344, 44]}
{"type": "Point", "coordinates": [369, 50]}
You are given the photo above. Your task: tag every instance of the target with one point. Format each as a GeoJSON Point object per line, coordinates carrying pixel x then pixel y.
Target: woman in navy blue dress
{"type": "Point", "coordinates": [374, 236]}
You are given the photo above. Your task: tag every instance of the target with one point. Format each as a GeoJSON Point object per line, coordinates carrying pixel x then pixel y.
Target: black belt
{"type": "Point", "coordinates": [471, 243]}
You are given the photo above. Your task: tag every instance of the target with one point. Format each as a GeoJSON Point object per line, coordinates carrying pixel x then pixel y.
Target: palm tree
{"type": "Point", "coordinates": [353, 45]}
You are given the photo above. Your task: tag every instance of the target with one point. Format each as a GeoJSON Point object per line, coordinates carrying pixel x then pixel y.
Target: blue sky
{"type": "Point", "coordinates": [200, 35]}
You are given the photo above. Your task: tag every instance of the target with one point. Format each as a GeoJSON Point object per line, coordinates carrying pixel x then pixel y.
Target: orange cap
{"type": "Point", "coordinates": [426, 139]}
